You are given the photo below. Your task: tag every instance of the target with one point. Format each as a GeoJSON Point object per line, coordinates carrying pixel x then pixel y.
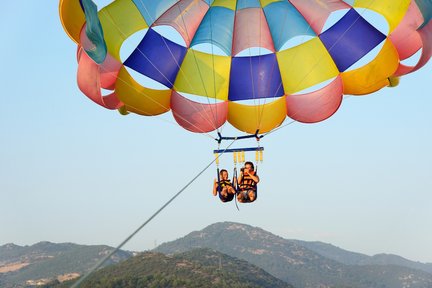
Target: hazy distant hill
{"type": "Point", "coordinates": [198, 268]}
{"type": "Point", "coordinates": [44, 261]}
{"type": "Point", "coordinates": [293, 262]}
{"type": "Point", "coordinates": [351, 258]}
{"type": "Point", "coordinates": [303, 264]}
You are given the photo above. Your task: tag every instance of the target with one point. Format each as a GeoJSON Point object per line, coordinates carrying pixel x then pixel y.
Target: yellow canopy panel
{"type": "Point", "coordinates": [374, 75]}
{"type": "Point", "coordinates": [72, 18]}
{"type": "Point", "coordinates": [204, 74]}
{"type": "Point", "coordinates": [392, 10]}
{"type": "Point", "coordinates": [305, 65]}
{"type": "Point", "coordinates": [120, 20]}
{"type": "Point", "coordinates": [139, 99]}
{"type": "Point", "coordinates": [264, 117]}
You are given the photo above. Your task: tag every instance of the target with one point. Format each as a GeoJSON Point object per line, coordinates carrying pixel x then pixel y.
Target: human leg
{"type": "Point", "coordinates": [230, 190]}
{"type": "Point", "coordinates": [242, 196]}
{"type": "Point", "coordinates": [252, 195]}
{"type": "Point", "coordinates": [224, 192]}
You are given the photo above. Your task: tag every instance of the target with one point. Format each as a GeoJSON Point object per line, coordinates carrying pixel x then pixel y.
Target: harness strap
{"type": "Point", "coordinates": [247, 183]}
{"type": "Point", "coordinates": [224, 183]}
{"type": "Point", "coordinates": [235, 183]}
{"type": "Point", "coordinates": [235, 186]}
{"type": "Point", "coordinates": [256, 173]}
{"type": "Point", "coordinates": [219, 188]}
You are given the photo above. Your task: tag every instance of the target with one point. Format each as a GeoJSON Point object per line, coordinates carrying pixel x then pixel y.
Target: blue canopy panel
{"type": "Point", "coordinates": [94, 32]}
{"type": "Point", "coordinates": [242, 4]}
{"type": "Point", "coordinates": [426, 10]}
{"type": "Point", "coordinates": [209, 2]}
{"type": "Point", "coordinates": [151, 10]}
{"type": "Point", "coordinates": [255, 77]}
{"type": "Point", "coordinates": [351, 38]}
{"type": "Point", "coordinates": [285, 23]}
{"type": "Point", "coordinates": [216, 28]}
{"type": "Point", "coordinates": [157, 58]}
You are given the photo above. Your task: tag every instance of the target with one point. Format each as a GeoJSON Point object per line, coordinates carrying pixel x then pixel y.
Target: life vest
{"type": "Point", "coordinates": [247, 183]}
{"type": "Point", "coordinates": [229, 196]}
{"type": "Point", "coordinates": [223, 183]}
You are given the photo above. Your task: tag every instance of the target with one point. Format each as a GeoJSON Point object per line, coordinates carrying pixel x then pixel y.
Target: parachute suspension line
{"type": "Point", "coordinates": [373, 1]}
{"type": "Point", "coordinates": [199, 70]}
{"type": "Point", "coordinates": [163, 106]}
{"type": "Point", "coordinates": [259, 114]}
{"type": "Point", "coordinates": [280, 127]}
{"type": "Point", "coordinates": [259, 153]}
{"type": "Point", "coordinates": [180, 68]}
{"type": "Point", "coordinates": [167, 79]}
{"type": "Point", "coordinates": [280, 85]}
{"type": "Point", "coordinates": [213, 66]}
{"type": "Point", "coordinates": [337, 41]}
{"type": "Point", "coordinates": [200, 74]}
{"type": "Point", "coordinates": [151, 62]}
{"type": "Point", "coordinates": [235, 182]}
{"type": "Point", "coordinates": [106, 258]}
{"type": "Point", "coordinates": [219, 188]}
{"type": "Point", "coordinates": [167, 108]}
{"type": "Point", "coordinates": [316, 64]}
{"type": "Point", "coordinates": [272, 73]}
{"type": "Point", "coordinates": [292, 121]}
{"type": "Point", "coordinates": [145, 56]}
{"type": "Point", "coordinates": [251, 75]}
{"type": "Point", "coordinates": [159, 104]}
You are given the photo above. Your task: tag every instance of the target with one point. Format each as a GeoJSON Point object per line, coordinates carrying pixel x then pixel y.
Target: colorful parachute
{"type": "Point", "coordinates": [241, 56]}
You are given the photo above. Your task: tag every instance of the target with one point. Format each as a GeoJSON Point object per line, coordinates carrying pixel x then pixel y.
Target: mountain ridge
{"type": "Point", "coordinates": [292, 261]}
{"type": "Point", "coordinates": [302, 263]}
{"type": "Point", "coordinates": [44, 261]}
{"type": "Point", "coordinates": [354, 258]}
{"type": "Point", "coordinates": [196, 268]}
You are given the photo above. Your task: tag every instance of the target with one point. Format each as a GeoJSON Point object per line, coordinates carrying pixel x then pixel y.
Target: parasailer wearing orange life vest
{"type": "Point", "coordinates": [224, 187]}
{"type": "Point", "coordinates": [247, 184]}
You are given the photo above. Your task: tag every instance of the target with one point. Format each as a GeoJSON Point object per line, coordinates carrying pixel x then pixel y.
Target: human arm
{"type": "Point", "coordinates": [253, 175]}
{"type": "Point", "coordinates": [215, 185]}
{"type": "Point", "coordinates": [255, 178]}
{"type": "Point", "coordinates": [239, 179]}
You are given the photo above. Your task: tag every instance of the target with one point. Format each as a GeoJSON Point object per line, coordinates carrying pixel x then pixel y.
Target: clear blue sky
{"type": "Point", "coordinates": [71, 171]}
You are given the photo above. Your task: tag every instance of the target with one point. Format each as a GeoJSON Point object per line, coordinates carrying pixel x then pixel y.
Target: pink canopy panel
{"type": "Point", "coordinates": [248, 63]}
{"type": "Point", "coordinates": [198, 117]}
{"type": "Point", "coordinates": [92, 77]}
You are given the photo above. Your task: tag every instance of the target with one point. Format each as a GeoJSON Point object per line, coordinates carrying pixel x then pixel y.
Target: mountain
{"type": "Point", "coordinates": [300, 263]}
{"type": "Point", "coordinates": [22, 266]}
{"type": "Point", "coordinates": [197, 268]}
{"type": "Point", "coordinates": [352, 258]}
{"type": "Point", "coordinates": [293, 262]}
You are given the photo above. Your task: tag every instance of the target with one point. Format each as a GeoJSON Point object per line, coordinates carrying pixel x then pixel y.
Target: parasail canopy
{"type": "Point", "coordinates": [251, 63]}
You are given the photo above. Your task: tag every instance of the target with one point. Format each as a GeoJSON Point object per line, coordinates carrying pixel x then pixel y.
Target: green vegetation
{"type": "Point", "coordinates": [294, 263]}
{"type": "Point", "coordinates": [351, 258]}
{"type": "Point", "coordinates": [48, 260]}
{"type": "Point", "coordinates": [300, 263]}
{"type": "Point", "coordinates": [198, 268]}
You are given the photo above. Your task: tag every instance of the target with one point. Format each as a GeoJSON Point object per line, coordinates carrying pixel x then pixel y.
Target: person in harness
{"type": "Point", "coordinates": [247, 184]}
{"type": "Point", "coordinates": [224, 187]}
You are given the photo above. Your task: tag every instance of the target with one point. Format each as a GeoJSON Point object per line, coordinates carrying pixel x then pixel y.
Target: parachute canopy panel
{"type": "Point", "coordinates": [251, 63]}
